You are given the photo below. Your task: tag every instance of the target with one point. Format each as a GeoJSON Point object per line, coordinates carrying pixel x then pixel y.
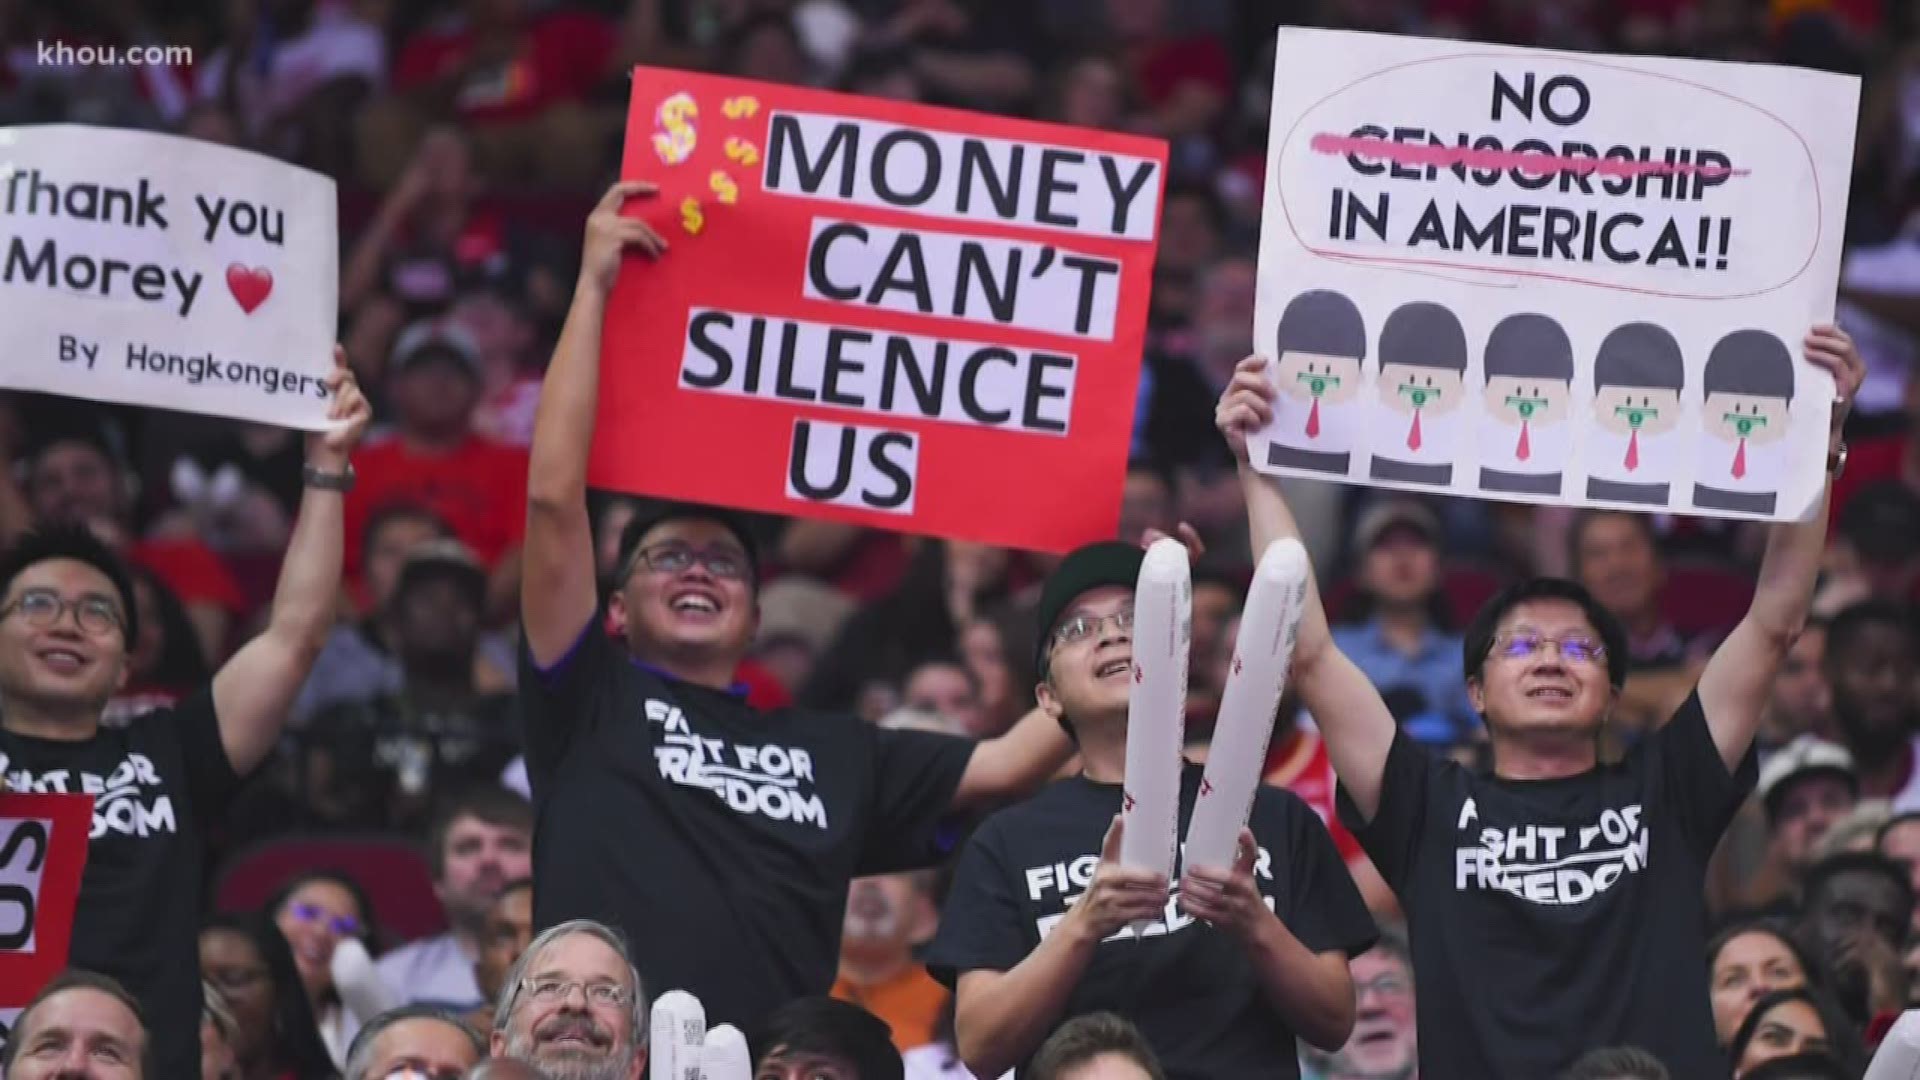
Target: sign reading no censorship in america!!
{"type": "Point", "coordinates": [1551, 277]}
{"type": "Point", "coordinates": [155, 270]}
{"type": "Point", "coordinates": [892, 315]}
{"type": "Point", "coordinates": [43, 849]}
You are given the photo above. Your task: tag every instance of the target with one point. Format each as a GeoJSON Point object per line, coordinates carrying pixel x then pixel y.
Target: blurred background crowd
{"type": "Point", "coordinates": [469, 139]}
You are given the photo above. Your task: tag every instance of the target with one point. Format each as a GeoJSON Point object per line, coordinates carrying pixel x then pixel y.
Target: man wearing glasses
{"type": "Point", "coordinates": [720, 839]}
{"type": "Point", "coordinates": [574, 1006]}
{"type": "Point", "coordinates": [67, 627]}
{"type": "Point", "coordinates": [1043, 923]}
{"type": "Point", "coordinates": [1555, 905]}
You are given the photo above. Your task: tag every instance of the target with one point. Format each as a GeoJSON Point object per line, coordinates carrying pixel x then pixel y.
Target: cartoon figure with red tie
{"type": "Point", "coordinates": [1321, 341]}
{"type": "Point", "coordinates": [1629, 453]}
{"type": "Point", "coordinates": [1422, 386]}
{"type": "Point", "coordinates": [1748, 386]}
{"type": "Point", "coordinates": [1529, 372]}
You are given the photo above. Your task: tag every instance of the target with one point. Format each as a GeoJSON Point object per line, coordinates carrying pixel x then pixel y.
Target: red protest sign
{"type": "Point", "coordinates": [892, 315]}
{"type": "Point", "coordinates": [43, 849]}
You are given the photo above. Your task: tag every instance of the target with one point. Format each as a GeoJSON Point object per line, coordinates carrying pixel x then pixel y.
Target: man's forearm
{"type": "Point", "coordinates": [1270, 519]}
{"type": "Point", "coordinates": [569, 400]}
{"type": "Point", "coordinates": [306, 597]}
{"type": "Point", "coordinates": [1312, 995]}
{"type": "Point", "coordinates": [1789, 570]}
{"type": "Point", "coordinates": [1015, 764]}
{"type": "Point", "coordinates": [999, 1025]}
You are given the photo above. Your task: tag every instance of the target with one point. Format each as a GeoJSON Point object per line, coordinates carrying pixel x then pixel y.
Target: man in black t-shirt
{"type": "Point", "coordinates": [1556, 904]}
{"type": "Point", "coordinates": [1044, 924]}
{"type": "Point", "coordinates": [66, 618]}
{"type": "Point", "coordinates": [719, 839]}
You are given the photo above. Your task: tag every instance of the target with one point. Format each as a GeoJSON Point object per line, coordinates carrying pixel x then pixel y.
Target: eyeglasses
{"type": "Point", "coordinates": [42, 608]}
{"type": "Point", "coordinates": [549, 990]}
{"type": "Point", "coordinates": [340, 925]}
{"type": "Point", "coordinates": [674, 558]}
{"type": "Point", "coordinates": [1083, 627]}
{"type": "Point", "coordinates": [1576, 650]}
{"type": "Point", "coordinates": [1387, 985]}
{"type": "Point", "coordinates": [413, 1070]}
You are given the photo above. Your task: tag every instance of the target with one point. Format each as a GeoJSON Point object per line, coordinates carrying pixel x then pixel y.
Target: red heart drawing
{"type": "Point", "coordinates": [249, 285]}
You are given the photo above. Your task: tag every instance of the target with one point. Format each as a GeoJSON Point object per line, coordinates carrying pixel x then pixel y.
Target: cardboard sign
{"type": "Point", "coordinates": [43, 849]}
{"type": "Point", "coordinates": [155, 270]}
{"type": "Point", "coordinates": [1551, 277]}
{"type": "Point", "coordinates": [893, 315]}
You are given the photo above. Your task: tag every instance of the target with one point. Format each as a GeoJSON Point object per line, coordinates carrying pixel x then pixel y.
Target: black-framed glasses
{"type": "Point", "coordinates": [673, 558]}
{"type": "Point", "coordinates": [550, 989]}
{"type": "Point", "coordinates": [313, 914]}
{"type": "Point", "coordinates": [42, 608]}
{"type": "Point", "coordinates": [1523, 645]}
{"type": "Point", "coordinates": [1085, 627]}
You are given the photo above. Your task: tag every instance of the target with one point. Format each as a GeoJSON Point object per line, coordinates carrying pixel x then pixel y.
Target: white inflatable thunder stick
{"type": "Point", "coordinates": [1268, 629]}
{"type": "Point", "coordinates": [1156, 709]}
{"type": "Point", "coordinates": [679, 1027]}
{"type": "Point", "coordinates": [1899, 1054]}
{"type": "Point", "coordinates": [725, 1055]}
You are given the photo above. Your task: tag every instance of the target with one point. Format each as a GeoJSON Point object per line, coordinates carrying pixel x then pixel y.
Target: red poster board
{"type": "Point", "coordinates": [43, 849]}
{"type": "Point", "coordinates": [893, 315]}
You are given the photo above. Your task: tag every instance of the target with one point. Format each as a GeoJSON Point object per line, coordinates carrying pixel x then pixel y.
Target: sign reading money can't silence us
{"type": "Point", "coordinates": [891, 315]}
{"type": "Point", "coordinates": [1551, 277]}
{"type": "Point", "coordinates": [156, 270]}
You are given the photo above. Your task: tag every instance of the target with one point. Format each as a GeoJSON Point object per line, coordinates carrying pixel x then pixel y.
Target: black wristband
{"type": "Point", "coordinates": [327, 481]}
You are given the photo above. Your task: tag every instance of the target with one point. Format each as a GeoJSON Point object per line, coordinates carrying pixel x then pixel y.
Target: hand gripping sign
{"type": "Point", "coordinates": [1268, 630]}
{"type": "Point", "coordinates": [1156, 709]}
{"type": "Point", "coordinates": [683, 1048]}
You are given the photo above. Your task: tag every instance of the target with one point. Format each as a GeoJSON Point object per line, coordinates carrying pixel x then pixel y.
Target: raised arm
{"type": "Point", "coordinates": [1353, 719]}
{"type": "Point", "coordinates": [253, 692]}
{"type": "Point", "coordinates": [557, 590]}
{"type": "Point", "coordinates": [1737, 680]}
{"type": "Point", "coordinates": [1014, 764]}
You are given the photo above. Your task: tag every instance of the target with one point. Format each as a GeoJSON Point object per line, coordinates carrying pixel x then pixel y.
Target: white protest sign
{"type": "Point", "coordinates": [1550, 277]}
{"type": "Point", "coordinates": [156, 270]}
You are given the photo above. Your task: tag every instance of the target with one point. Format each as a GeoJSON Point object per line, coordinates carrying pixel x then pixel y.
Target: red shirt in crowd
{"type": "Point", "coordinates": [1298, 761]}
{"type": "Point", "coordinates": [191, 569]}
{"type": "Point", "coordinates": [1870, 462]}
{"type": "Point", "coordinates": [560, 57]}
{"type": "Point", "coordinates": [479, 488]}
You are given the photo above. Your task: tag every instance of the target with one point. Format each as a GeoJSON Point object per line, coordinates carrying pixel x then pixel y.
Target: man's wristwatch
{"type": "Point", "coordinates": [1837, 461]}
{"type": "Point", "coordinates": [328, 481]}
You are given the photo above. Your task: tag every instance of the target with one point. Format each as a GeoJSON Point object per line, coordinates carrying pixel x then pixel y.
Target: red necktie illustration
{"type": "Point", "coordinates": [1313, 420]}
{"type": "Point", "coordinates": [1413, 433]}
{"type": "Point", "coordinates": [1633, 450]}
{"type": "Point", "coordinates": [1525, 449]}
{"type": "Point", "coordinates": [1740, 461]}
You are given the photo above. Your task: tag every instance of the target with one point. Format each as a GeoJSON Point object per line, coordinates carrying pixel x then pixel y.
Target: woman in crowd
{"type": "Point", "coordinates": [1746, 962]}
{"type": "Point", "coordinates": [317, 911]}
{"type": "Point", "coordinates": [248, 961]}
{"type": "Point", "coordinates": [1788, 1023]}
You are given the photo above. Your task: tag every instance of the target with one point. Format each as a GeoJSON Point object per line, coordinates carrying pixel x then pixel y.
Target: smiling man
{"type": "Point", "coordinates": [1557, 903]}
{"type": "Point", "coordinates": [67, 619]}
{"type": "Point", "coordinates": [1043, 924]}
{"type": "Point", "coordinates": [574, 1006]}
{"type": "Point", "coordinates": [720, 839]}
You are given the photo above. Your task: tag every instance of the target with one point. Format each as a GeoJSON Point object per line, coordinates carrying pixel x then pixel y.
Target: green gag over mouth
{"type": "Point", "coordinates": [1527, 406]}
{"type": "Point", "coordinates": [1420, 395]}
{"type": "Point", "coordinates": [1743, 423]}
{"type": "Point", "coordinates": [1636, 416]}
{"type": "Point", "coordinates": [1318, 384]}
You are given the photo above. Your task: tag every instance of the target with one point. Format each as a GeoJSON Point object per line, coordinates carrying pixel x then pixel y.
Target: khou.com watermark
{"type": "Point", "coordinates": [61, 54]}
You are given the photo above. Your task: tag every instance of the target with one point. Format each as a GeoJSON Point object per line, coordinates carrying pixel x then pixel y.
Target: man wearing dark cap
{"type": "Point", "coordinates": [1529, 372]}
{"type": "Point", "coordinates": [1637, 378]}
{"type": "Point", "coordinates": [1423, 367]}
{"type": "Point", "coordinates": [1748, 384]}
{"type": "Point", "coordinates": [719, 839]}
{"type": "Point", "coordinates": [1221, 970]}
{"type": "Point", "coordinates": [1321, 341]}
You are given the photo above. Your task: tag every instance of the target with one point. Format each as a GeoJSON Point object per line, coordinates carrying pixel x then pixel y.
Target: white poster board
{"type": "Point", "coordinates": [156, 270]}
{"type": "Point", "coordinates": [1550, 277]}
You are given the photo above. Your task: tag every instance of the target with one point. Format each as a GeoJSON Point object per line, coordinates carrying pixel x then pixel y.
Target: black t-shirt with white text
{"type": "Point", "coordinates": [1189, 987]}
{"type": "Point", "coordinates": [157, 784]}
{"type": "Point", "coordinates": [1551, 917]}
{"type": "Point", "coordinates": [719, 839]}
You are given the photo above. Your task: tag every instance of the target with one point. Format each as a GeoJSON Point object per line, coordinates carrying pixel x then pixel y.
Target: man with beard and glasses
{"type": "Point", "coordinates": [1384, 1043]}
{"type": "Point", "coordinates": [573, 1006]}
